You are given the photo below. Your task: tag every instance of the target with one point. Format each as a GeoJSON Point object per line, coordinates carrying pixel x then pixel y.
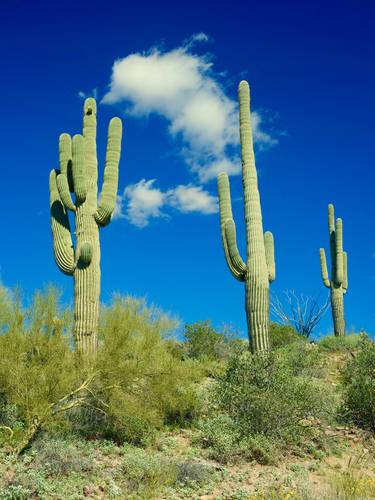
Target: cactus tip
{"type": "Point", "coordinates": [89, 107]}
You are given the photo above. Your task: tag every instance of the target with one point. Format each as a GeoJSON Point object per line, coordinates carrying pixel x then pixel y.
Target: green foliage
{"type": "Point", "coordinates": [226, 443]}
{"type": "Point", "coordinates": [335, 343]}
{"type": "Point", "coordinates": [358, 379]}
{"type": "Point", "coordinates": [202, 341]}
{"type": "Point", "coordinates": [301, 358]}
{"type": "Point", "coordinates": [36, 364]}
{"type": "Point", "coordinates": [282, 335]}
{"type": "Point", "coordinates": [59, 457]}
{"type": "Point", "coordinates": [141, 385]}
{"type": "Point", "coordinates": [147, 472]}
{"type": "Point", "coordinates": [262, 405]}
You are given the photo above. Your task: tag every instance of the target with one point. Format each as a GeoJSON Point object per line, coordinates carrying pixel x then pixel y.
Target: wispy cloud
{"type": "Point", "coordinates": [143, 201]}
{"type": "Point", "coordinates": [182, 87]}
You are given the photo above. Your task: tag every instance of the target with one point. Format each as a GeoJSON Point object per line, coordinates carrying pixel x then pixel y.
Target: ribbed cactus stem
{"type": "Point", "coordinates": [79, 174]}
{"type": "Point", "coordinates": [337, 304]}
{"type": "Point", "coordinates": [259, 269]}
{"type": "Point", "coordinates": [338, 283]}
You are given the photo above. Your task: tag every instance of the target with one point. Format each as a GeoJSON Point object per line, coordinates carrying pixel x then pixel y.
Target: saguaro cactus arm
{"type": "Point", "coordinates": [345, 277]}
{"type": "Point", "coordinates": [108, 195]}
{"type": "Point", "coordinates": [64, 192]}
{"type": "Point", "coordinates": [226, 215]}
{"type": "Point", "coordinates": [270, 255]}
{"type": "Point", "coordinates": [323, 268]}
{"type": "Point", "coordinates": [62, 240]}
{"type": "Point", "coordinates": [79, 168]}
{"type": "Point", "coordinates": [339, 253]}
{"type": "Point", "coordinates": [234, 254]}
{"type": "Point", "coordinates": [65, 158]}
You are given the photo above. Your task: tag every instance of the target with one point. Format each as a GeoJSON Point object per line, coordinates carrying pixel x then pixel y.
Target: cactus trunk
{"type": "Point", "coordinates": [87, 285]}
{"type": "Point", "coordinates": [259, 269]}
{"type": "Point", "coordinates": [79, 174]}
{"type": "Point", "coordinates": [337, 304]}
{"type": "Point", "coordinates": [257, 314]}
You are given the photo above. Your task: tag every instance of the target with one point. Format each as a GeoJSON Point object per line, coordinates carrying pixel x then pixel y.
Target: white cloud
{"type": "Point", "coordinates": [93, 93]}
{"type": "Point", "coordinates": [192, 199]}
{"type": "Point", "coordinates": [143, 201]}
{"type": "Point", "coordinates": [182, 87]}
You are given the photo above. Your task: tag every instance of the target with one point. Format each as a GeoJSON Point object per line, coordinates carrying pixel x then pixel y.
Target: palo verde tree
{"type": "Point", "coordinates": [78, 174]}
{"type": "Point", "coordinates": [259, 269]}
{"type": "Point", "coordinates": [338, 284]}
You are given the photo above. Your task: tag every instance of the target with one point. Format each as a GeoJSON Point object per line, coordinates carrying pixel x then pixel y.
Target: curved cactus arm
{"type": "Point", "coordinates": [64, 192]}
{"type": "Point", "coordinates": [339, 275]}
{"type": "Point", "coordinates": [78, 165]}
{"type": "Point", "coordinates": [323, 268]}
{"type": "Point", "coordinates": [62, 240]}
{"type": "Point", "coordinates": [65, 158]}
{"type": "Point", "coordinates": [345, 266]}
{"type": "Point", "coordinates": [108, 195]}
{"type": "Point", "coordinates": [225, 208]}
{"type": "Point", "coordinates": [270, 255]}
{"type": "Point", "coordinates": [234, 254]}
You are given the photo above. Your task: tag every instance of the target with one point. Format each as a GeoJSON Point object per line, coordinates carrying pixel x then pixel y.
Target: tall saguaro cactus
{"type": "Point", "coordinates": [78, 174]}
{"type": "Point", "coordinates": [338, 284]}
{"type": "Point", "coordinates": [259, 269]}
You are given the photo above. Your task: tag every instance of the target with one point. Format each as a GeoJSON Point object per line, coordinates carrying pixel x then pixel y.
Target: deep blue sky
{"type": "Point", "coordinates": [311, 65]}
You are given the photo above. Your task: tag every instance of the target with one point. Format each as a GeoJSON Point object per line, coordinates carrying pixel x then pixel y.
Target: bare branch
{"type": "Point", "coordinates": [301, 312]}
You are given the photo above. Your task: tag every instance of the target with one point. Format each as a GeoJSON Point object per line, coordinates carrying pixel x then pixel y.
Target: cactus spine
{"type": "Point", "coordinates": [78, 174]}
{"type": "Point", "coordinates": [259, 269]}
{"type": "Point", "coordinates": [338, 284]}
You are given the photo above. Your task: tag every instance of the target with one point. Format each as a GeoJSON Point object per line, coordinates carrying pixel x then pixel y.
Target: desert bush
{"type": "Point", "coordinates": [192, 473]}
{"type": "Point", "coordinates": [282, 335]}
{"type": "Point", "coordinates": [333, 343]}
{"type": "Point", "coordinates": [358, 378]}
{"type": "Point", "coordinates": [141, 385]}
{"type": "Point", "coordinates": [301, 358]}
{"type": "Point", "coordinates": [37, 366]}
{"type": "Point", "coordinates": [202, 341]}
{"type": "Point", "coordinates": [263, 406]}
{"type": "Point", "coordinates": [59, 457]}
{"type": "Point", "coordinates": [147, 472]}
{"type": "Point", "coordinates": [225, 441]}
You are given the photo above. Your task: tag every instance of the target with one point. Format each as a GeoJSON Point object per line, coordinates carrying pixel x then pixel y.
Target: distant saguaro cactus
{"type": "Point", "coordinates": [78, 174]}
{"type": "Point", "coordinates": [338, 284]}
{"type": "Point", "coordinates": [259, 269]}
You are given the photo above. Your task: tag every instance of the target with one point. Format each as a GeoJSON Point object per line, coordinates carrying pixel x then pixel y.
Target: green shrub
{"type": "Point", "coordinates": [59, 457]}
{"type": "Point", "coordinates": [141, 385]}
{"type": "Point", "coordinates": [191, 473]}
{"type": "Point", "coordinates": [333, 343]}
{"type": "Point", "coordinates": [301, 358]}
{"type": "Point", "coordinates": [282, 335]}
{"type": "Point", "coordinates": [37, 366]}
{"type": "Point", "coordinates": [221, 435]}
{"type": "Point", "coordinates": [202, 341]}
{"type": "Point", "coordinates": [263, 405]}
{"type": "Point", "coordinates": [147, 472]}
{"type": "Point", "coordinates": [358, 378]}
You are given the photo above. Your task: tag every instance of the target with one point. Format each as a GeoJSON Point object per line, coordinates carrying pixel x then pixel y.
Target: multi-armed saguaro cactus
{"type": "Point", "coordinates": [78, 174]}
{"type": "Point", "coordinates": [338, 284]}
{"type": "Point", "coordinates": [259, 269]}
